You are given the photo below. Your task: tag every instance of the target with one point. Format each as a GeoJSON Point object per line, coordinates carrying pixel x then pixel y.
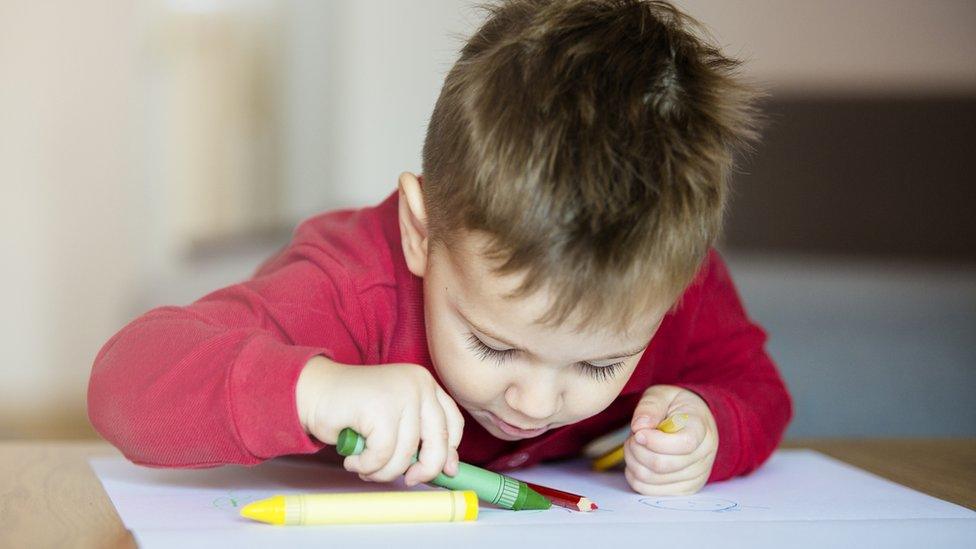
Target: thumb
{"type": "Point", "coordinates": [652, 408]}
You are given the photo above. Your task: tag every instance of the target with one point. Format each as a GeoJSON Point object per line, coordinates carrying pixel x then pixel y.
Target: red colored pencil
{"type": "Point", "coordinates": [565, 499]}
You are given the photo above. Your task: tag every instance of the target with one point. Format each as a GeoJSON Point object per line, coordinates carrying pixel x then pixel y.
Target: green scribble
{"type": "Point", "coordinates": [225, 502]}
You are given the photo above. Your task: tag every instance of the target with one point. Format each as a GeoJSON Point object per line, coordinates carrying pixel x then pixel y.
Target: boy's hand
{"type": "Point", "coordinates": [669, 464]}
{"type": "Point", "coordinates": [396, 407]}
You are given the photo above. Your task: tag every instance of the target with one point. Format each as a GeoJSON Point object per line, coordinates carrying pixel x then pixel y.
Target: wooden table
{"type": "Point", "coordinates": [49, 497]}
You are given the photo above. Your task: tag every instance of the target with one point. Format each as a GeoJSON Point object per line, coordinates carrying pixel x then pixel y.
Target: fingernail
{"type": "Point", "coordinates": [640, 437]}
{"type": "Point", "coordinates": [642, 422]}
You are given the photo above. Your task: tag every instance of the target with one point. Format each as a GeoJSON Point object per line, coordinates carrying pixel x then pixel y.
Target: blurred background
{"type": "Point", "coordinates": [152, 151]}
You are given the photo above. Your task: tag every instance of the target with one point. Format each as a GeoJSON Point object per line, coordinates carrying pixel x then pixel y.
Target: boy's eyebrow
{"type": "Point", "coordinates": [624, 354]}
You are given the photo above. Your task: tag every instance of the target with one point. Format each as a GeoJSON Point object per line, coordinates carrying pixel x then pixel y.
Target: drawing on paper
{"type": "Point", "coordinates": [693, 503]}
{"type": "Point", "coordinates": [231, 501]}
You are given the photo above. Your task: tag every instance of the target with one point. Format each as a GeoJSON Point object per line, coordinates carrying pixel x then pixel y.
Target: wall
{"type": "Point", "coordinates": [86, 236]}
{"type": "Point", "coordinates": [362, 77]}
{"type": "Point", "coordinates": [69, 210]}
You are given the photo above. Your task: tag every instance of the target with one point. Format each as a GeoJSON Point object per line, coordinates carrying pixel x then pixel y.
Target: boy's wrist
{"type": "Point", "coordinates": [316, 375]}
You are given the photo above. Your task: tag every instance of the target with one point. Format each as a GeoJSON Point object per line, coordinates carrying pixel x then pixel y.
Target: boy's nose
{"type": "Point", "coordinates": [534, 400]}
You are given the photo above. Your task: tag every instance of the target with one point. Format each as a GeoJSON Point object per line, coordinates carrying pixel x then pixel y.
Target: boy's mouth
{"type": "Point", "coordinates": [512, 430]}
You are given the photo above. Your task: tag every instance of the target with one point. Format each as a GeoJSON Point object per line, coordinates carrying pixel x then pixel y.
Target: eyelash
{"type": "Point", "coordinates": [484, 352]}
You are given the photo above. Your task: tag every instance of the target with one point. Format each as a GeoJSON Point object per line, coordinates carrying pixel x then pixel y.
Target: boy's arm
{"type": "Point", "coordinates": [214, 382]}
{"type": "Point", "coordinates": [728, 367]}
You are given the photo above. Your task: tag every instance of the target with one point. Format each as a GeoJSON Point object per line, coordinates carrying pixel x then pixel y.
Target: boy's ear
{"type": "Point", "coordinates": [413, 223]}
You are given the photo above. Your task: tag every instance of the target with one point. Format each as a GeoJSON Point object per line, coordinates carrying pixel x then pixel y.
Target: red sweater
{"type": "Point", "coordinates": [213, 382]}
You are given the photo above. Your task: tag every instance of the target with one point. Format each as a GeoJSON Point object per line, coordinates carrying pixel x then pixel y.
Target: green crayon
{"type": "Point", "coordinates": [500, 490]}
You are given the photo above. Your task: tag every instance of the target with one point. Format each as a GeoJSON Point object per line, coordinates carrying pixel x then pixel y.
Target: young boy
{"type": "Point", "coordinates": [547, 280]}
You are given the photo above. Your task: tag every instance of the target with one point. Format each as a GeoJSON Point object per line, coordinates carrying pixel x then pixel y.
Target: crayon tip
{"type": "Point", "coordinates": [271, 510]}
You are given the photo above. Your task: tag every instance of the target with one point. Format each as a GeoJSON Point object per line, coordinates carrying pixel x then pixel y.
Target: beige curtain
{"type": "Point", "coordinates": [217, 65]}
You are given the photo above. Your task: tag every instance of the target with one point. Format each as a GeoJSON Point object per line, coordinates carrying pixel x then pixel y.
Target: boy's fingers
{"type": "Point", "coordinates": [679, 488]}
{"type": "Point", "coordinates": [650, 479]}
{"type": "Point", "coordinates": [380, 445]}
{"type": "Point", "coordinates": [455, 428]}
{"type": "Point", "coordinates": [660, 464]}
{"type": "Point", "coordinates": [672, 471]}
{"type": "Point", "coordinates": [683, 442]}
{"type": "Point", "coordinates": [651, 409]}
{"type": "Point", "coordinates": [455, 421]}
{"type": "Point", "coordinates": [433, 443]}
{"type": "Point", "coordinates": [453, 463]}
{"type": "Point", "coordinates": [408, 436]}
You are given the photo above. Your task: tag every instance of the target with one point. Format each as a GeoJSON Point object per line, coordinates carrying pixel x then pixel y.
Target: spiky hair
{"type": "Point", "coordinates": [592, 141]}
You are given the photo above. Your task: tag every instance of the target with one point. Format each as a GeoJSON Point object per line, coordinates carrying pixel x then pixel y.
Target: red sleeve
{"type": "Point", "coordinates": [214, 382]}
{"type": "Point", "coordinates": [728, 367]}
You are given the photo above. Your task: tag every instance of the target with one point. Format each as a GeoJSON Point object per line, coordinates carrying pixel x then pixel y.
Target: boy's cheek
{"type": "Point", "coordinates": [464, 381]}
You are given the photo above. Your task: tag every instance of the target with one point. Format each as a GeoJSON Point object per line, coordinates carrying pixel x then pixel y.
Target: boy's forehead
{"type": "Point", "coordinates": [486, 298]}
{"type": "Point", "coordinates": [472, 267]}
{"type": "Point", "coordinates": [482, 290]}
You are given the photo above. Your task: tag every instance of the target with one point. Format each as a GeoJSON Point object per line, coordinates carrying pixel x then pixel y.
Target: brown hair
{"type": "Point", "coordinates": [591, 140]}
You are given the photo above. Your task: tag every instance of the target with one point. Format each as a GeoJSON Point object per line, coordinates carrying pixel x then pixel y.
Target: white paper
{"type": "Point", "coordinates": [798, 497]}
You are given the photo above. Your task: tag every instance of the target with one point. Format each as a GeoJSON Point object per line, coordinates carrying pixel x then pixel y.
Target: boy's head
{"type": "Point", "coordinates": [575, 174]}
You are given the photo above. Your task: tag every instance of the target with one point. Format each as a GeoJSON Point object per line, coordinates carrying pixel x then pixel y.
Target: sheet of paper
{"type": "Point", "coordinates": [798, 497]}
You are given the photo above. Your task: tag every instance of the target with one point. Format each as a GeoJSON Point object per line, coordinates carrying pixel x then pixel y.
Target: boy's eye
{"type": "Point", "coordinates": [484, 352]}
{"type": "Point", "coordinates": [600, 373]}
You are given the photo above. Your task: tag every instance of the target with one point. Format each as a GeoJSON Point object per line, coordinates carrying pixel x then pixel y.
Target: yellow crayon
{"type": "Point", "coordinates": [674, 423]}
{"type": "Point", "coordinates": [611, 459]}
{"type": "Point", "coordinates": [365, 508]}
